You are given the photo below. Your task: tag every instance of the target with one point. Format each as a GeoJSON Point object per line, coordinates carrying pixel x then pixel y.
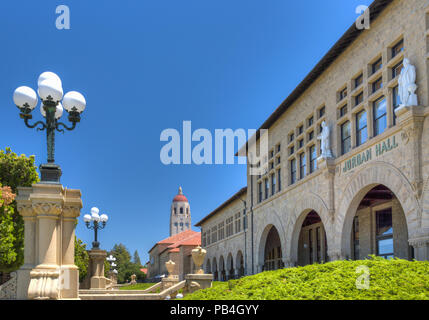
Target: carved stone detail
{"type": "Point", "coordinates": [44, 284]}
{"type": "Point", "coordinates": [47, 208]}
{"type": "Point", "coordinates": [71, 211]}
{"type": "Point", "coordinates": [25, 209]}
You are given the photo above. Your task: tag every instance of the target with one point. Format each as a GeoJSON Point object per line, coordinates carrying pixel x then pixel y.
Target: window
{"type": "Point", "coordinates": [300, 143]}
{"type": "Point", "coordinates": [273, 184]}
{"type": "Point", "coordinates": [203, 239]}
{"type": "Point", "coordinates": [302, 165]}
{"type": "Point", "coordinates": [396, 70]}
{"type": "Point", "coordinates": [229, 226]}
{"type": "Point", "coordinates": [271, 154]}
{"type": "Point", "coordinates": [358, 80]}
{"type": "Point", "coordinates": [244, 219]}
{"type": "Point", "coordinates": [343, 111]}
{"type": "Point", "coordinates": [356, 237]}
{"type": "Point", "coordinates": [260, 192]}
{"type": "Point", "coordinates": [279, 178]}
{"type": "Point", "coordinates": [181, 210]}
{"type": "Point", "coordinates": [214, 234]}
{"type": "Point", "coordinates": [278, 148]}
{"type": "Point", "coordinates": [377, 65]}
{"type": "Point", "coordinates": [310, 121]}
{"type": "Point", "coordinates": [278, 160]}
{"type": "Point", "coordinates": [313, 157]}
{"type": "Point", "coordinates": [359, 99]}
{"type": "Point", "coordinates": [322, 112]}
{"type": "Point", "coordinates": [397, 48]}
{"type": "Point", "coordinates": [271, 165]}
{"type": "Point", "coordinates": [342, 94]}
{"type": "Point", "coordinates": [396, 102]}
{"type": "Point", "coordinates": [266, 188]}
{"type": "Point", "coordinates": [175, 211]}
{"type": "Point", "coordinates": [384, 233]}
{"type": "Point", "coordinates": [208, 237]}
{"type": "Point", "coordinates": [380, 116]}
{"type": "Point", "coordinates": [311, 136]}
{"type": "Point", "coordinates": [377, 85]}
{"type": "Point", "coordinates": [237, 222]}
{"type": "Point", "coordinates": [361, 128]}
{"type": "Point", "coordinates": [291, 150]}
{"type": "Point", "coordinates": [292, 171]}
{"type": "Point", "coordinates": [221, 231]}
{"type": "Point", "coordinates": [300, 129]}
{"type": "Point", "coordinates": [291, 137]}
{"type": "Point", "coordinates": [346, 138]}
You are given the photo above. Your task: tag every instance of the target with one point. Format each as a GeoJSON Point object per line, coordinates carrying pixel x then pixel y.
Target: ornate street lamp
{"type": "Point", "coordinates": [98, 223]}
{"type": "Point", "coordinates": [51, 94]}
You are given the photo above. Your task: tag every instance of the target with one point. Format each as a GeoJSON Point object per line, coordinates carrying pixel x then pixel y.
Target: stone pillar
{"type": "Point", "coordinates": [47, 273]}
{"type": "Point", "coordinates": [420, 243]}
{"type": "Point", "coordinates": [96, 269]}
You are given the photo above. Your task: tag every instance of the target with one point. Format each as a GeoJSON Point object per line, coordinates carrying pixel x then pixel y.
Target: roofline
{"type": "Point", "coordinates": [375, 8]}
{"type": "Point", "coordinates": [223, 205]}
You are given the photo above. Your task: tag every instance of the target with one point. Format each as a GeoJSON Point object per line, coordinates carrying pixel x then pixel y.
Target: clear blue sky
{"type": "Point", "coordinates": [148, 65]}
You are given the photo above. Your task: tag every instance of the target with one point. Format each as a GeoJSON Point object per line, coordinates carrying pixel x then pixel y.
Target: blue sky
{"type": "Point", "coordinates": [148, 65]}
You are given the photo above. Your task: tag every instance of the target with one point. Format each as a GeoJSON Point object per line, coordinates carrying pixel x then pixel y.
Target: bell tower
{"type": "Point", "coordinates": [180, 218]}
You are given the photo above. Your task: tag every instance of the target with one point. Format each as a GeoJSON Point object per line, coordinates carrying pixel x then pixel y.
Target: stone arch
{"type": "Point", "coordinates": [230, 266]}
{"type": "Point", "coordinates": [307, 203]}
{"type": "Point", "coordinates": [272, 219]}
{"type": "Point", "coordinates": [221, 268]}
{"type": "Point", "coordinates": [208, 266]}
{"type": "Point", "coordinates": [239, 263]}
{"type": "Point", "coordinates": [425, 206]}
{"type": "Point", "coordinates": [376, 173]}
{"type": "Point", "coordinates": [215, 269]}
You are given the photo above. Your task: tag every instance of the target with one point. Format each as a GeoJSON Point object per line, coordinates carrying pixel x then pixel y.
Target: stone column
{"type": "Point", "coordinates": [96, 269]}
{"type": "Point", "coordinates": [47, 236]}
{"type": "Point", "coordinates": [420, 243]}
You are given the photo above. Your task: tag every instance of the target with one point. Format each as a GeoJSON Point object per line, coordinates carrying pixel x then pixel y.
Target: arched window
{"type": "Point", "coordinates": [181, 210]}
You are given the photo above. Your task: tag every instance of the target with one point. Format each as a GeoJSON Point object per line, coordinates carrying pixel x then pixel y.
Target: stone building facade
{"type": "Point", "coordinates": [372, 195]}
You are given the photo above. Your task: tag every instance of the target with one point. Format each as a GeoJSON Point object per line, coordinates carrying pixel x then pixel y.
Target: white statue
{"type": "Point", "coordinates": [324, 137]}
{"type": "Point", "coordinates": [407, 85]}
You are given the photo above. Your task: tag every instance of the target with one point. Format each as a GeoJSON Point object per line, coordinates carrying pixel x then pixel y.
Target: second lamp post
{"type": "Point", "coordinates": [98, 223]}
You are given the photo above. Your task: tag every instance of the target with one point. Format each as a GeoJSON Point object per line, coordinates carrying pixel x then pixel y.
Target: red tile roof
{"type": "Point", "coordinates": [144, 270]}
{"type": "Point", "coordinates": [185, 238]}
{"type": "Point", "coordinates": [178, 237]}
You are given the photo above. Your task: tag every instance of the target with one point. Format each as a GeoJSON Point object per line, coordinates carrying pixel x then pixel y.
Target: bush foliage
{"type": "Point", "coordinates": [388, 280]}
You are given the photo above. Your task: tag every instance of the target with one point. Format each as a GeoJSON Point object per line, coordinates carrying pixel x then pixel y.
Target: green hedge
{"type": "Point", "coordinates": [388, 280]}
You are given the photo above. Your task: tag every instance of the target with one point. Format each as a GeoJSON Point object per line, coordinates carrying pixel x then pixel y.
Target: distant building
{"type": "Point", "coordinates": [178, 246]}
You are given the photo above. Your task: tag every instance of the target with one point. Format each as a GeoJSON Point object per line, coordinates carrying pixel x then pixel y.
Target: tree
{"type": "Point", "coordinates": [81, 258]}
{"type": "Point", "coordinates": [125, 266]}
{"type": "Point", "coordinates": [15, 171]}
{"type": "Point", "coordinates": [137, 258]}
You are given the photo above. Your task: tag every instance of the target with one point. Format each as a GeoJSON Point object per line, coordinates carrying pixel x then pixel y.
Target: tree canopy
{"type": "Point", "coordinates": [125, 266]}
{"type": "Point", "coordinates": [15, 171]}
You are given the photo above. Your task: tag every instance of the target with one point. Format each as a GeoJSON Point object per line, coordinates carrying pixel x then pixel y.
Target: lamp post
{"type": "Point", "coordinates": [98, 223]}
{"type": "Point", "coordinates": [50, 92]}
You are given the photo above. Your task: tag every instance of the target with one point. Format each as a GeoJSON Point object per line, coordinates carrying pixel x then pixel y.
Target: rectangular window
{"type": "Point", "coordinates": [398, 48]}
{"type": "Point", "coordinates": [361, 128]}
{"type": "Point", "coordinates": [302, 165]}
{"type": "Point", "coordinates": [300, 130]}
{"type": "Point", "coordinates": [279, 178]}
{"type": "Point", "coordinates": [237, 222]}
{"type": "Point", "coordinates": [396, 70]}
{"type": "Point", "coordinates": [321, 112]}
{"type": "Point", "coordinates": [359, 99]}
{"type": "Point", "coordinates": [278, 160]}
{"type": "Point", "coordinates": [377, 85]}
{"type": "Point", "coordinates": [380, 116]}
{"type": "Point", "coordinates": [313, 157]}
{"type": "Point", "coordinates": [342, 94]}
{"type": "Point", "coordinates": [384, 233]}
{"type": "Point", "coordinates": [396, 102]}
{"type": "Point", "coordinates": [278, 148]}
{"type": "Point", "coordinates": [346, 138]}
{"type": "Point", "coordinates": [377, 65]}
{"type": "Point", "coordinates": [291, 150]}
{"type": "Point", "coordinates": [310, 121]}
{"type": "Point", "coordinates": [343, 111]}
{"type": "Point", "coordinates": [273, 184]}
{"type": "Point", "coordinates": [221, 231]}
{"type": "Point", "coordinates": [358, 80]}
{"type": "Point", "coordinates": [311, 136]}
{"type": "Point", "coordinates": [300, 143]}
{"type": "Point", "coordinates": [292, 171]}
{"type": "Point", "coordinates": [271, 154]}
{"type": "Point", "coordinates": [291, 137]}
{"type": "Point", "coordinates": [214, 234]}
{"type": "Point", "coordinates": [266, 188]}
{"type": "Point", "coordinates": [260, 192]}
{"type": "Point", "coordinates": [203, 239]}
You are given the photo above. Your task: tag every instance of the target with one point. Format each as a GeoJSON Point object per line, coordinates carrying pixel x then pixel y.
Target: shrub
{"type": "Point", "coordinates": [388, 280]}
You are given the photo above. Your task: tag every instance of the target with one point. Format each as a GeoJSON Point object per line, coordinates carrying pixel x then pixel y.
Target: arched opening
{"type": "Point", "coordinates": [239, 260]}
{"type": "Point", "coordinates": [379, 226]}
{"type": "Point", "coordinates": [208, 267]}
{"type": "Point", "coordinates": [214, 270]}
{"type": "Point", "coordinates": [312, 244]}
{"type": "Point", "coordinates": [272, 251]}
{"type": "Point", "coordinates": [222, 272]}
{"type": "Point", "coordinates": [230, 267]}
